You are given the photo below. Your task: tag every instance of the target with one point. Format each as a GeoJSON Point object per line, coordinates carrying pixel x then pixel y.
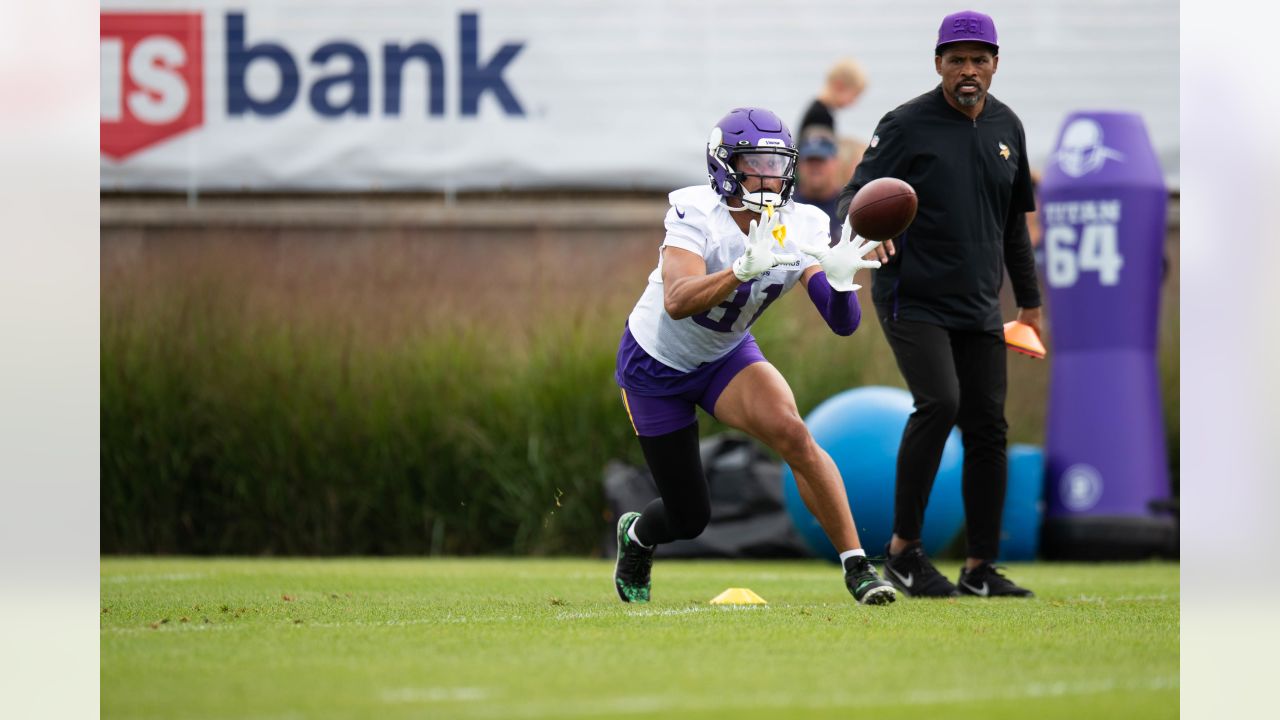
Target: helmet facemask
{"type": "Point", "coordinates": [755, 168]}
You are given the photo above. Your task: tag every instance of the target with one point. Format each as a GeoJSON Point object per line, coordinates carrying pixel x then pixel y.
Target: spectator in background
{"type": "Point", "coordinates": [846, 81]}
{"type": "Point", "coordinates": [965, 153]}
{"type": "Point", "coordinates": [818, 180]}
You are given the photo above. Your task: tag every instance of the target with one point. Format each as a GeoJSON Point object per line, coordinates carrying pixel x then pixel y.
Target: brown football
{"type": "Point", "coordinates": [883, 209]}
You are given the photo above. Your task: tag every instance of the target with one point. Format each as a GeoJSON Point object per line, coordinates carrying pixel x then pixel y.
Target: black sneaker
{"type": "Point", "coordinates": [865, 585]}
{"type": "Point", "coordinates": [631, 574]}
{"type": "Point", "coordinates": [911, 572]}
{"type": "Point", "coordinates": [986, 581]}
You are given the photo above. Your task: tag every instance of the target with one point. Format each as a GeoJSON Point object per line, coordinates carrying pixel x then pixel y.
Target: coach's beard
{"type": "Point", "coordinates": [969, 99]}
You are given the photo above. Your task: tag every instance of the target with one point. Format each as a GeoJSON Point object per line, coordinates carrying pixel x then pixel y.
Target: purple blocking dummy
{"type": "Point", "coordinates": [1103, 204]}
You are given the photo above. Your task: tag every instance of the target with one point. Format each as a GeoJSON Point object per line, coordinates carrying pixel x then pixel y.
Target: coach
{"type": "Point", "coordinates": [937, 299]}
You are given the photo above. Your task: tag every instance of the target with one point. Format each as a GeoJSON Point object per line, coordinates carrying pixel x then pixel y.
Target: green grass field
{"type": "Point", "coordinates": [498, 638]}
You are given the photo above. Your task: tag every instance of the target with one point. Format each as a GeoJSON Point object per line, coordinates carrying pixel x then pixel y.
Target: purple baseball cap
{"type": "Point", "coordinates": [967, 26]}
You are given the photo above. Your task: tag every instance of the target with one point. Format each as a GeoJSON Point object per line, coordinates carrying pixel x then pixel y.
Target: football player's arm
{"type": "Point", "coordinates": [832, 290]}
{"type": "Point", "coordinates": [687, 289]}
{"type": "Point", "coordinates": [840, 310]}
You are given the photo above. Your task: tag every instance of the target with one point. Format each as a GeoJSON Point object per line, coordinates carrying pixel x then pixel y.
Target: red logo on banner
{"type": "Point", "coordinates": [152, 79]}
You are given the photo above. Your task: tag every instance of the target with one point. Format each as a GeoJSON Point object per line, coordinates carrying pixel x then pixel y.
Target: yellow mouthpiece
{"type": "Point", "coordinates": [780, 232]}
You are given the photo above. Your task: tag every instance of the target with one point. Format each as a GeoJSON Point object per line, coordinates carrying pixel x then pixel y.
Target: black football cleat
{"type": "Point", "coordinates": [985, 580]}
{"type": "Point", "coordinates": [864, 584]}
{"type": "Point", "coordinates": [631, 574]}
{"type": "Point", "coordinates": [911, 572]}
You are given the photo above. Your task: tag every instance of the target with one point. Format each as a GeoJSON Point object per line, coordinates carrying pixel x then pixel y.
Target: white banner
{"type": "Point", "coordinates": [396, 94]}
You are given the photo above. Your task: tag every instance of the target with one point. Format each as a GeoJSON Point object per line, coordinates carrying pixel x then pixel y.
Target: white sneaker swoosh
{"type": "Point", "coordinates": [906, 581]}
{"type": "Point", "coordinates": [982, 592]}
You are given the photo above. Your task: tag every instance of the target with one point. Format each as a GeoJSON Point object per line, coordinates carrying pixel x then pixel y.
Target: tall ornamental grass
{"type": "Point", "coordinates": [384, 396]}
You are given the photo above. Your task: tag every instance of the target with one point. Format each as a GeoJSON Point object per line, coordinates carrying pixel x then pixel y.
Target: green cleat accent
{"type": "Point", "coordinates": [865, 585]}
{"type": "Point", "coordinates": [631, 574]}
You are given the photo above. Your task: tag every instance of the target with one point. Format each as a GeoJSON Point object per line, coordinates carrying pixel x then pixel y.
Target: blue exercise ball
{"type": "Point", "coordinates": [861, 430]}
{"type": "Point", "coordinates": [1023, 504]}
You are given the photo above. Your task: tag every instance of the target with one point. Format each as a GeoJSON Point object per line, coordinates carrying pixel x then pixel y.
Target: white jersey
{"type": "Point", "coordinates": [699, 223]}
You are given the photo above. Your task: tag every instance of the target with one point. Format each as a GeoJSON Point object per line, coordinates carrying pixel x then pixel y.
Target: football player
{"type": "Point", "coordinates": [732, 248]}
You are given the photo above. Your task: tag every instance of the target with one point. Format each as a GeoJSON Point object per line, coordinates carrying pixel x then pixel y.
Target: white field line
{"type": "Point", "coordinates": [188, 627]}
{"type": "Point", "coordinates": [447, 620]}
{"type": "Point", "coordinates": [1121, 598]}
{"type": "Point", "coordinates": [173, 627]}
{"type": "Point", "coordinates": [118, 579]}
{"type": "Point", "coordinates": [563, 616]}
{"type": "Point", "coordinates": [434, 694]}
{"type": "Point", "coordinates": [292, 715]}
{"type": "Point", "coordinates": [641, 613]}
{"type": "Point", "coordinates": [646, 704]}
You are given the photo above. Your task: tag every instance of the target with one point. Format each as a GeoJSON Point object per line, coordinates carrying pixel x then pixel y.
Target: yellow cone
{"type": "Point", "coordinates": [738, 596]}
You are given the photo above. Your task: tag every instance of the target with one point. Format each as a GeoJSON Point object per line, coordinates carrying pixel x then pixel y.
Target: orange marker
{"type": "Point", "coordinates": [1022, 338]}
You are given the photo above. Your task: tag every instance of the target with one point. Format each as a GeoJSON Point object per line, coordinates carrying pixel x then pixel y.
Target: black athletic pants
{"type": "Point", "coordinates": [684, 507]}
{"type": "Point", "coordinates": [956, 378]}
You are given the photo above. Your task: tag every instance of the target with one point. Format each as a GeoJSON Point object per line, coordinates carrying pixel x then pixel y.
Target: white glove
{"type": "Point", "coordinates": [759, 255]}
{"type": "Point", "coordinates": [842, 260]}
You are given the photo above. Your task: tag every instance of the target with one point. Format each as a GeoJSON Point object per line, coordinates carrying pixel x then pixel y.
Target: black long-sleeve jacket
{"type": "Point", "coordinates": [974, 187]}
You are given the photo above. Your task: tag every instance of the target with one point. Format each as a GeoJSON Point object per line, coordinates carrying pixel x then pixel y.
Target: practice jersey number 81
{"type": "Point", "coordinates": [731, 309]}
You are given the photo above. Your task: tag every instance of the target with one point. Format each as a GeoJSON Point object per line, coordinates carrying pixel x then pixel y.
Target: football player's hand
{"type": "Point", "coordinates": [841, 261]}
{"type": "Point", "coordinates": [759, 255]}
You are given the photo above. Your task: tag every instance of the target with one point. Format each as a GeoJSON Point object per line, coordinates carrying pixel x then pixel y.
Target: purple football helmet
{"type": "Point", "coordinates": [751, 141]}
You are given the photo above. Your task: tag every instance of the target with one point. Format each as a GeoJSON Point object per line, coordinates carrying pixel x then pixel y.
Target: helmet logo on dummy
{"type": "Point", "coordinates": [1080, 487]}
{"type": "Point", "coordinates": [1081, 151]}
